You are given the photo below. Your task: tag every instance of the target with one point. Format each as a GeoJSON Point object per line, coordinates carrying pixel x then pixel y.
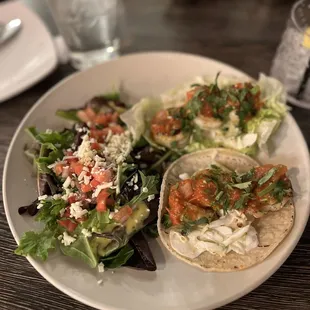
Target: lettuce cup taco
{"type": "Point", "coordinates": [220, 111]}
{"type": "Point", "coordinates": [221, 211]}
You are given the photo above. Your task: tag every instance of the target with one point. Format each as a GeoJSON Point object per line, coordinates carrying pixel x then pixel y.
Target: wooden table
{"type": "Point", "coordinates": [242, 33]}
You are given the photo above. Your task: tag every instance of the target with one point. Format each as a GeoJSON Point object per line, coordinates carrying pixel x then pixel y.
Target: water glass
{"type": "Point", "coordinates": [92, 29]}
{"type": "Point", "coordinates": [291, 64]}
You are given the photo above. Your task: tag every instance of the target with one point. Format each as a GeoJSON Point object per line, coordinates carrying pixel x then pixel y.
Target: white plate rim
{"type": "Point", "coordinates": [86, 300]}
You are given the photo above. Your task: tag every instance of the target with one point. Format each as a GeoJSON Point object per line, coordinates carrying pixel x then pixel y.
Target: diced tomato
{"type": "Point", "coordinates": [103, 175]}
{"type": "Point", "coordinates": [102, 200]}
{"type": "Point", "coordinates": [67, 212]}
{"type": "Point", "coordinates": [123, 214]}
{"type": "Point", "coordinates": [72, 199]}
{"type": "Point", "coordinates": [85, 188]}
{"type": "Point", "coordinates": [110, 202]}
{"type": "Point", "coordinates": [235, 194]}
{"type": "Point", "coordinates": [94, 183]}
{"type": "Point", "coordinates": [176, 206]}
{"type": "Point", "coordinates": [190, 94]}
{"type": "Point", "coordinates": [114, 117]}
{"type": "Point", "coordinates": [76, 167]}
{"type": "Point", "coordinates": [261, 170]}
{"type": "Point", "coordinates": [116, 129]}
{"type": "Point", "coordinates": [95, 146]}
{"type": "Point", "coordinates": [58, 169]}
{"type": "Point", "coordinates": [90, 113]}
{"type": "Point", "coordinates": [68, 224]}
{"type": "Point", "coordinates": [239, 85]}
{"type": "Point", "coordinates": [102, 119]}
{"type": "Point", "coordinates": [83, 116]}
{"type": "Point", "coordinates": [185, 188]}
{"type": "Point", "coordinates": [97, 134]}
{"type": "Point", "coordinates": [207, 110]}
{"type": "Point", "coordinates": [81, 219]}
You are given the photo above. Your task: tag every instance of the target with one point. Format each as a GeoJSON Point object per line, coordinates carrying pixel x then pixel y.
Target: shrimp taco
{"type": "Point", "coordinates": [221, 211]}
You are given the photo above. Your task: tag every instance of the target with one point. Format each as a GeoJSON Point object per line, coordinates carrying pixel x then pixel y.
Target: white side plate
{"type": "Point", "coordinates": [29, 56]}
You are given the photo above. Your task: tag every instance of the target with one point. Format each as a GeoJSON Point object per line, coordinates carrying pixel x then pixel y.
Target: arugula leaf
{"type": "Point", "coordinates": [267, 176]}
{"type": "Point", "coordinates": [58, 139]}
{"type": "Point", "coordinates": [97, 221]}
{"type": "Point", "coordinates": [49, 213]}
{"type": "Point", "coordinates": [68, 114]}
{"type": "Point", "coordinates": [36, 245]}
{"type": "Point", "coordinates": [151, 230]}
{"type": "Point", "coordinates": [81, 249]}
{"type": "Point", "coordinates": [148, 182]}
{"type": "Point", "coordinates": [166, 221]}
{"type": "Point", "coordinates": [239, 204]}
{"type": "Point", "coordinates": [32, 131]}
{"type": "Point", "coordinates": [119, 258]}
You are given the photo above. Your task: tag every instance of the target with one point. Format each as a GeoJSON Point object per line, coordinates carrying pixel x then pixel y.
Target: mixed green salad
{"type": "Point", "coordinates": [98, 194]}
{"type": "Point", "coordinates": [99, 180]}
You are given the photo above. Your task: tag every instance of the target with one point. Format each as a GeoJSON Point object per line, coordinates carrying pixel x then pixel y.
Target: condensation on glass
{"type": "Point", "coordinates": [291, 64]}
{"type": "Point", "coordinates": [92, 29]}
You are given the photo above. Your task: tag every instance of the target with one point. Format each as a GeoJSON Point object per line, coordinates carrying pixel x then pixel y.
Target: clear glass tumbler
{"type": "Point", "coordinates": [291, 63]}
{"type": "Point", "coordinates": [92, 29]}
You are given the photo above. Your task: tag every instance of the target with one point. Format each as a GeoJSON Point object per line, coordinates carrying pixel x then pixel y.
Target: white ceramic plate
{"type": "Point", "coordinates": [174, 285]}
{"type": "Point", "coordinates": [29, 56]}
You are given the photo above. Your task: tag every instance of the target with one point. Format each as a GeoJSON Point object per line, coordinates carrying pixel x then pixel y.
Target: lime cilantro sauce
{"type": "Point", "coordinates": [231, 232]}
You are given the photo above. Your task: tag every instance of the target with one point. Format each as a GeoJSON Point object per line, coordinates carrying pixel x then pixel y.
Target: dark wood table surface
{"type": "Point", "coordinates": [242, 33]}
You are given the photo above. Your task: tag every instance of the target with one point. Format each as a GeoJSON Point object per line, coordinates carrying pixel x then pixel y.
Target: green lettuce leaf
{"type": "Point", "coordinates": [150, 183]}
{"type": "Point", "coordinates": [119, 258]}
{"type": "Point", "coordinates": [36, 244]}
{"type": "Point", "coordinates": [49, 213]}
{"type": "Point", "coordinates": [82, 250]}
{"type": "Point", "coordinates": [138, 118]}
{"type": "Point", "coordinates": [97, 221]}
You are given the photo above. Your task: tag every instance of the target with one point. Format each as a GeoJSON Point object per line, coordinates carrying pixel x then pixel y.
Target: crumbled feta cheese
{"type": "Point", "coordinates": [86, 169]}
{"type": "Point", "coordinates": [67, 182]}
{"type": "Point", "coordinates": [67, 239]}
{"type": "Point", "coordinates": [100, 267]}
{"type": "Point", "coordinates": [183, 176]}
{"type": "Point", "coordinates": [111, 215]}
{"type": "Point", "coordinates": [145, 190]}
{"type": "Point", "coordinates": [86, 179]}
{"type": "Point", "coordinates": [101, 187]}
{"type": "Point", "coordinates": [150, 197]}
{"type": "Point", "coordinates": [39, 206]}
{"type": "Point", "coordinates": [118, 148]}
{"type": "Point", "coordinates": [43, 197]}
{"type": "Point", "coordinates": [65, 172]}
{"type": "Point", "coordinates": [84, 152]}
{"type": "Point", "coordinates": [109, 135]}
{"type": "Point", "coordinates": [138, 156]}
{"type": "Point", "coordinates": [56, 196]}
{"type": "Point", "coordinates": [135, 178]}
{"type": "Point", "coordinates": [76, 211]}
{"type": "Point", "coordinates": [62, 212]}
{"type": "Point", "coordinates": [86, 232]}
{"type": "Point", "coordinates": [89, 124]}
{"type": "Point", "coordinates": [81, 176]}
{"type": "Point", "coordinates": [48, 131]}
{"type": "Point", "coordinates": [52, 165]}
{"type": "Point", "coordinates": [136, 187]}
{"type": "Point", "coordinates": [59, 237]}
{"type": "Point", "coordinates": [72, 184]}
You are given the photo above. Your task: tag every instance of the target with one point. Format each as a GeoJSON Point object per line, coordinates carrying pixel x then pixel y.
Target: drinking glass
{"type": "Point", "coordinates": [92, 29]}
{"type": "Point", "coordinates": [291, 64]}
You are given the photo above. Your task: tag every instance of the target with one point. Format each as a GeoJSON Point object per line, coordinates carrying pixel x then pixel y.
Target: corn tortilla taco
{"type": "Point", "coordinates": [221, 211]}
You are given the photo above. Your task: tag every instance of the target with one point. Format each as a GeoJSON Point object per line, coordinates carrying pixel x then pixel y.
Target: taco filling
{"type": "Point", "coordinates": [220, 211]}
